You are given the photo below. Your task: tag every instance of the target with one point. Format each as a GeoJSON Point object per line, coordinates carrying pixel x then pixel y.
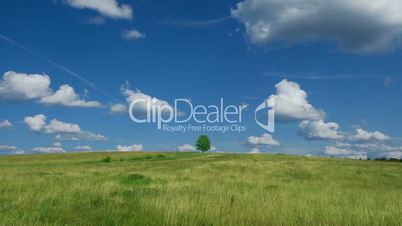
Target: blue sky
{"type": "Point", "coordinates": [204, 50]}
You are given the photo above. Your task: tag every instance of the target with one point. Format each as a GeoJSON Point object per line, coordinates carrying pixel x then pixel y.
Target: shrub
{"type": "Point", "coordinates": [107, 159]}
{"type": "Point", "coordinates": [160, 156]}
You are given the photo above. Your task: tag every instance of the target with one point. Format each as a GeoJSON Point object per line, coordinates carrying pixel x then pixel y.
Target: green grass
{"type": "Point", "coordinates": [197, 189]}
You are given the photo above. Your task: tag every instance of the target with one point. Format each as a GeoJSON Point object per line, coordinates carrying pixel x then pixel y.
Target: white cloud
{"type": "Point", "coordinates": [20, 86]}
{"type": "Point", "coordinates": [254, 151]}
{"type": "Point", "coordinates": [35, 123]}
{"type": "Point", "coordinates": [395, 155]}
{"type": "Point", "coordinates": [11, 149]}
{"type": "Point", "coordinates": [291, 103]}
{"type": "Point", "coordinates": [361, 26]}
{"type": "Point", "coordinates": [345, 153]}
{"type": "Point", "coordinates": [66, 96]}
{"type": "Point", "coordinates": [83, 148]}
{"type": "Point", "coordinates": [67, 131]}
{"type": "Point", "coordinates": [362, 135]}
{"type": "Point", "coordinates": [57, 144]}
{"type": "Point", "coordinates": [5, 124]}
{"type": "Point", "coordinates": [83, 135]}
{"type": "Point", "coordinates": [192, 148]}
{"type": "Point", "coordinates": [132, 34]}
{"type": "Point", "coordinates": [23, 87]}
{"type": "Point", "coordinates": [331, 150]}
{"type": "Point", "coordinates": [141, 107]}
{"type": "Point", "coordinates": [313, 130]}
{"type": "Point", "coordinates": [38, 123]}
{"type": "Point", "coordinates": [363, 150]}
{"type": "Point", "coordinates": [118, 109]}
{"type": "Point", "coordinates": [372, 147]}
{"type": "Point", "coordinates": [358, 155]}
{"type": "Point", "coordinates": [49, 149]}
{"type": "Point", "coordinates": [108, 8]}
{"type": "Point", "coordinates": [186, 148]}
{"type": "Point", "coordinates": [265, 139]}
{"type": "Point", "coordinates": [134, 147]}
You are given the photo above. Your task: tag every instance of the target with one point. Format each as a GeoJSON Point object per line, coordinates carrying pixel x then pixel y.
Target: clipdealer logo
{"type": "Point", "coordinates": [199, 118]}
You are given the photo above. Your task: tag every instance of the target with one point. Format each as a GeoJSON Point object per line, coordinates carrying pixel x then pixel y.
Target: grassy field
{"type": "Point", "coordinates": [196, 189]}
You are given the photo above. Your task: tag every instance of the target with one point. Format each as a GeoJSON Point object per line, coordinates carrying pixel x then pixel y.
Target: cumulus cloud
{"type": "Point", "coordinates": [84, 148]}
{"type": "Point", "coordinates": [362, 135]}
{"type": "Point", "coordinates": [132, 34]}
{"type": "Point", "coordinates": [118, 109]}
{"type": "Point", "coordinates": [291, 103]}
{"type": "Point", "coordinates": [5, 124]}
{"type": "Point", "coordinates": [12, 150]}
{"type": "Point", "coordinates": [358, 155]}
{"type": "Point", "coordinates": [315, 130]}
{"type": "Point", "coordinates": [363, 150]}
{"type": "Point", "coordinates": [49, 149]}
{"type": "Point", "coordinates": [264, 140]}
{"type": "Point", "coordinates": [66, 131]}
{"type": "Point", "coordinates": [186, 148]}
{"type": "Point", "coordinates": [134, 147]}
{"type": "Point", "coordinates": [345, 153]}
{"type": "Point", "coordinates": [35, 123]}
{"type": "Point", "coordinates": [66, 96]}
{"type": "Point", "coordinates": [38, 123]}
{"type": "Point", "coordinates": [21, 87]}
{"type": "Point", "coordinates": [331, 150]}
{"type": "Point", "coordinates": [394, 155]}
{"type": "Point", "coordinates": [371, 147]}
{"type": "Point", "coordinates": [108, 8]}
{"type": "Point", "coordinates": [254, 151]}
{"type": "Point", "coordinates": [141, 107]}
{"type": "Point", "coordinates": [362, 26]}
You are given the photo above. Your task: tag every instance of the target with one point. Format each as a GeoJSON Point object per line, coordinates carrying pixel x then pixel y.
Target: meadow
{"type": "Point", "coordinates": [197, 189]}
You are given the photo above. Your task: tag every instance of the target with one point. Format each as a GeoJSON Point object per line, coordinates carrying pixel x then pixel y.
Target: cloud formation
{"type": "Point", "coordinates": [85, 148]}
{"type": "Point", "coordinates": [21, 87]}
{"type": "Point", "coordinates": [362, 135]}
{"type": "Point", "coordinates": [49, 149]}
{"type": "Point", "coordinates": [186, 148]}
{"type": "Point", "coordinates": [291, 103]}
{"type": "Point", "coordinates": [129, 148]}
{"type": "Point", "coordinates": [331, 150]}
{"type": "Point", "coordinates": [316, 130]}
{"type": "Point", "coordinates": [16, 86]}
{"type": "Point", "coordinates": [5, 124]}
{"type": "Point", "coordinates": [192, 148]}
{"type": "Point", "coordinates": [118, 109]}
{"type": "Point", "coordinates": [13, 150]}
{"type": "Point", "coordinates": [141, 107]}
{"type": "Point", "coordinates": [66, 96]}
{"type": "Point", "coordinates": [132, 34]}
{"type": "Point", "coordinates": [265, 140]}
{"type": "Point", "coordinates": [362, 26]}
{"type": "Point", "coordinates": [108, 8]}
{"type": "Point", "coordinates": [64, 131]}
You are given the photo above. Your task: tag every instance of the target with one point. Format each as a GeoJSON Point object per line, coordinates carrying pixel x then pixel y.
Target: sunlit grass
{"type": "Point", "coordinates": [197, 189]}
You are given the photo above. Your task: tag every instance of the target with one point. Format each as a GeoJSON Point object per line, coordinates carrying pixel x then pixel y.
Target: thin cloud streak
{"type": "Point", "coordinates": [202, 23]}
{"type": "Point", "coordinates": [58, 66]}
{"type": "Point", "coordinates": [324, 77]}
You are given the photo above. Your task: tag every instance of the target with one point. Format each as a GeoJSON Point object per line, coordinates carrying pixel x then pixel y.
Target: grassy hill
{"type": "Point", "coordinates": [196, 189]}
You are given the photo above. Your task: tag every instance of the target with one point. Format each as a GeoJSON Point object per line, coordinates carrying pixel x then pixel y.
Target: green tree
{"type": "Point", "coordinates": [203, 144]}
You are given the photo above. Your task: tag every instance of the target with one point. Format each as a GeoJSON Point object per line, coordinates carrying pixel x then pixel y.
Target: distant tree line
{"type": "Point", "coordinates": [386, 160]}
